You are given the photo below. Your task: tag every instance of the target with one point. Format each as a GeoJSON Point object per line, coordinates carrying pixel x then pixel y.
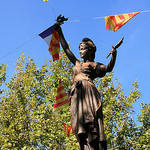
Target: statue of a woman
{"type": "Point", "coordinates": [85, 102]}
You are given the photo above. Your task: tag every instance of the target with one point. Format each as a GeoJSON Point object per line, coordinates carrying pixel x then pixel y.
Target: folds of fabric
{"type": "Point", "coordinates": [115, 22]}
{"type": "Point", "coordinates": [61, 100]}
{"type": "Point", "coordinates": [86, 112]}
{"type": "Point", "coordinates": [54, 47]}
{"type": "Point", "coordinates": [51, 37]}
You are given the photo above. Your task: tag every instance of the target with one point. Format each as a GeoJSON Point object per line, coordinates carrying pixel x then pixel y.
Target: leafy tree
{"type": "Point", "coordinates": [27, 119]}
{"type": "Point", "coordinates": [143, 134]}
{"type": "Point", "coordinates": [2, 75]}
{"type": "Point", "coordinates": [118, 110]}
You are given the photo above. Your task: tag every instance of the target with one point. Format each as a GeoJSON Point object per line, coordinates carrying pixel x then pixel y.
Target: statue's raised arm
{"type": "Point", "coordinates": [64, 44]}
{"type": "Point", "coordinates": [110, 66]}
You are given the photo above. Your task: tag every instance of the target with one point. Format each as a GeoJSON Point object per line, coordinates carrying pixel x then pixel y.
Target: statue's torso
{"type": "Point", "coordinates": [84, 71]}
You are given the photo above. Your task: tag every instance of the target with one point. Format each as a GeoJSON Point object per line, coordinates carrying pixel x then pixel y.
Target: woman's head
{"type": "Point", "coordinates": [89, 47]}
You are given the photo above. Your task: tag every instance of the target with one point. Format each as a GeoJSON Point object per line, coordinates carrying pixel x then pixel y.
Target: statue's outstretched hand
{"type": "Point", "coordinates": [60, 19]}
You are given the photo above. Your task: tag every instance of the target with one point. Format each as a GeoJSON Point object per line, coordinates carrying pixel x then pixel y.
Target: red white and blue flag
{"type": "Point", "coordinates": [51, 37]}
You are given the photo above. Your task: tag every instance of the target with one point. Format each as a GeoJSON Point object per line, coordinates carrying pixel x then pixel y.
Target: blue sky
{"type": "Point", "coordinates": [22, 20]}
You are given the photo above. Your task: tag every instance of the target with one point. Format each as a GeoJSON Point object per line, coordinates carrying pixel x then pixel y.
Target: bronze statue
{"type": "Point", "coordinates": [85, 102]}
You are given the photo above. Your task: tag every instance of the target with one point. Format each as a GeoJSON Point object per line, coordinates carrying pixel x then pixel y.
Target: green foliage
{"type": "Point", "coordinates": [143, 138]}
{"type": "Point", "coordinates": [27, 120]}
{"type": "Point", "coordinates": [2, 75]}
{"type": "Point", "coordinates": [118, 110]}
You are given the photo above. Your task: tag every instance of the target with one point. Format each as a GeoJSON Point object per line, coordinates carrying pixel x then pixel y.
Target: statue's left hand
{"type": "Point", "coordinates": [113, 50]}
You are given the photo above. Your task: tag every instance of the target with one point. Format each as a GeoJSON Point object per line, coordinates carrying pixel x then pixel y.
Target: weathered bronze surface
{"type": "Point", "coordinates": [85, 102]}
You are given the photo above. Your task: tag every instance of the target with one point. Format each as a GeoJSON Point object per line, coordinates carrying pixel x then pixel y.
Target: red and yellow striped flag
{"type": "Point", "coordinates": [115, 22]}
{"type": "Point", "coordinates": [51, 37]}
{"type": "Point", "coordinates": [68, 129]}
{"type": "Point", "coordinates": [54, 47]}
{"type": "Point", "coordinates": [61, 100]}
{"type": "Point", "coordinates": [45, 0]}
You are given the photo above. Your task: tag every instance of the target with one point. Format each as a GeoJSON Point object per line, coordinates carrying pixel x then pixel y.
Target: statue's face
{"type": "Point", "coordinates": [83, 50]}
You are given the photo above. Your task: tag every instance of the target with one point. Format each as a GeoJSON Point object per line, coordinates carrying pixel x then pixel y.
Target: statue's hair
{"type": "Point", "coordinates": [91, 45]}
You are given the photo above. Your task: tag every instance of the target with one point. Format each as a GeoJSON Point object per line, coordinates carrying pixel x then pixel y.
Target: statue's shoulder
{"type": "Point", "coordinates": [100, 71]}
{"type": "Point", "coordinates": [98, 64]}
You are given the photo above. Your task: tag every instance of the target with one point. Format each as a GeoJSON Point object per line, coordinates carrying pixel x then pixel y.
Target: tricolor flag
{"type": "Point", "coordinates": [61, 100]}
{"type": "Point", "coordinates": [115, 22]}
{"type": "Point", "coordinates": [51, 37]}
